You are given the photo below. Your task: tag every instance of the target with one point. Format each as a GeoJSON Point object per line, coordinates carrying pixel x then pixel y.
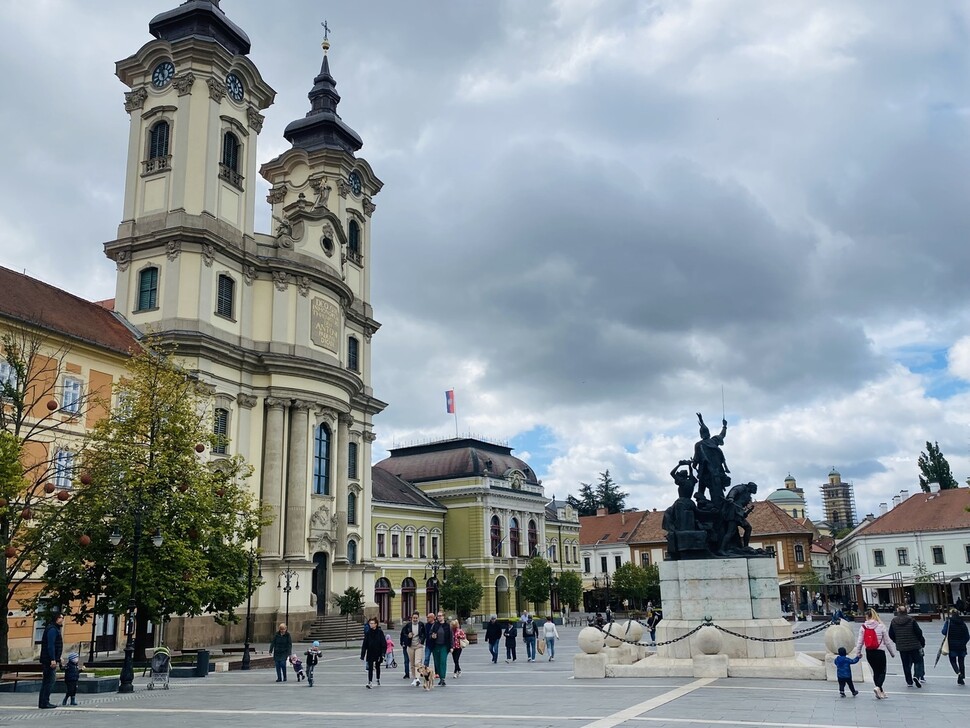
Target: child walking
{"type": "Point", "coordinates": [843, 670]}
{"type": "Point", "coordinates": [298, 667]}
{"type": "Point", "coordinates": [389, 660]}
{"type": "Point", "coordinates": [312, 658]}
{"type": "Point", "coordinates": [510, 634]}
{"type": "Point", "coordinates": [72, 673]}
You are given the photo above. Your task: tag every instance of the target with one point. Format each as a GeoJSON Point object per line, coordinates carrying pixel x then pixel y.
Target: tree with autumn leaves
{"type": "Point", "coordinates": [145, 469]}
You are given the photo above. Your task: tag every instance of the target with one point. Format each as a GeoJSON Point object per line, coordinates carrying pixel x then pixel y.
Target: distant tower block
{"type": "Point", "coordinates": [838, 500]}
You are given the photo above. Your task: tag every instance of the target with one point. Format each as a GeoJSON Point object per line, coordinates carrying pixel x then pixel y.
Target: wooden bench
{"type": "Point", "coordinates": [20, 672]}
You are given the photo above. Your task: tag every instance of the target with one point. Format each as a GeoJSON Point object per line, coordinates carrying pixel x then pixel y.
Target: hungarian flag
{"type": "Point", "coordinates": [450, 401]}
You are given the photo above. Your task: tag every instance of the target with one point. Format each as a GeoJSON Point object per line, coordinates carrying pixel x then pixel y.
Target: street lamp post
{"type": "Point", "coordinates": [434, 565]}
{"type": "Point", "coordinates": [246, 660]}
{"type": "Point", "coordinates": [289, 579]}
{"type": "Point", "coordinates": [126, 683]}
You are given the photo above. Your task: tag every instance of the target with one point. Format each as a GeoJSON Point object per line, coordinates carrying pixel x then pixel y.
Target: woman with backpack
{"type": "Point", "coordinates": [874, 637]}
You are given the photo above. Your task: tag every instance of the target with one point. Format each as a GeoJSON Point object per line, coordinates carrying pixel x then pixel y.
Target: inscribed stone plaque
{"type": "Point", "coordinates": [324, 324]}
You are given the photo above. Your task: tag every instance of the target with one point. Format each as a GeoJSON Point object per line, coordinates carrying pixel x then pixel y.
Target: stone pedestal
{"type": "Point", "coordinates": [586, 666]}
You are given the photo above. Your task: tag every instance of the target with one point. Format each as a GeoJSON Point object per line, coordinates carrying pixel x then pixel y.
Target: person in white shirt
{"type": "Point", "coordinates": [551, 634]}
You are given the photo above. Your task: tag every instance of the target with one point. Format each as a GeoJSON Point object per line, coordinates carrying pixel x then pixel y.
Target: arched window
{"type": "Point", "coordinates": [225, 293]}
{"type": "Point", "coordinates": [321, 460]}
{"type": "Point", "coordinates": [158, 141]}
{"type": "Point", "coordinates": [353, 242]}
{"type": "Point", "coordinates": [495, 532]}
{"type": "Point", "coordinates": [409, 600]}
{"type": "Point", "coordinates": [148, 289]}
{"type": "Point", "coordinates": [220, 428]}
{"type": "Point", "coordinates": [230, 151]}
{"type": "Point", "coordinates": [514, 537]}
{"type": "Point", "coordinates": [352, 508]}
{"type": "Point", "coordinates": [353, 353]}
{"type": "Point", "coordinates": [352, 551]}
{"type": "Point", "coordinates": [382, 595]}
{"type": "Point", "coordinates": [533, 539]}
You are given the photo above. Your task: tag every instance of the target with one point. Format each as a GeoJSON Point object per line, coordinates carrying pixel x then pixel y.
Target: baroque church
{"type": "Point", "coordinates": [277, 327]}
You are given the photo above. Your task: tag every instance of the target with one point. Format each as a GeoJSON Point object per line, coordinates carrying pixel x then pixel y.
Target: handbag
{"type": "Point", "coordinates": [463, 642]}
{"type": "Point", "coordinates": [945, 647]}
{"type": "Point", "coordinates": [541, 647]}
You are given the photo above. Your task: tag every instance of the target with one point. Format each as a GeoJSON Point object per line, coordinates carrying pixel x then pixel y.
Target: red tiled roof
{"type": "Point", "coordinates": [766, 519]}
{"type": "Point", "coordinates": [611, 528]}
{"type": "Point", "coordinates": [38, 304]}
{"type": "Point", "coordinates": [942, 511]}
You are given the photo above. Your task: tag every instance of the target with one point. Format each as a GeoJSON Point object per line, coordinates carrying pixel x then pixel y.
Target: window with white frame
{"type": "Point", "coordinates": [434, 547]}
{"type": "Point", "coordinates": [902, 557]}
{"type": "Point", "coordinates": [225, 296]}
{"type": "Point", "coordinates": [8, 378]}
{"type": "Point", "coordinates": [644, 558]}
{"type": "Point", "coordinates": [220, 428]}
{"type": "Point", "coordinates": [71, 395]}
{"type": "Point", "coordinates": [63, 468]}
{"type": "Point", "coordinates": [617, 562]}
{"type": "Point", "coordinates": [603, 565]}
{"type": "Point", "coordinates": [409, 543]}
{"type": "Point", "coordinates": [878, 557]}
{"type": "Point", "coordinates": [938, 557]}
{"type": "Point", "coordinates": [586, 564]}
{"type": "Point", "coordinates": [422, 546]}
{"type": "Point", "coordinates": [381, 543]}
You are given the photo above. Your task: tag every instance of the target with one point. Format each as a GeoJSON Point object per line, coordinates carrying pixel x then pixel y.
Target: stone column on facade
{"type": "Point", "coordinates": [273, 475]}
{"type": "Point", "coordinates": [341, 482]}
{"type": "Point", "coordinates": [296, 481]}
{"type": "Point", "coordinates": [364, 501]}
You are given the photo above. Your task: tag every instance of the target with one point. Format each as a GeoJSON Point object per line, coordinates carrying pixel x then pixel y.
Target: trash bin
{"type": "Point", "coordinates": [202, 663]}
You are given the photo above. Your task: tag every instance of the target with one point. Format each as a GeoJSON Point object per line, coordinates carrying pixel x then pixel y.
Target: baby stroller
{"type": "Point", "coordinates": [161, 667]}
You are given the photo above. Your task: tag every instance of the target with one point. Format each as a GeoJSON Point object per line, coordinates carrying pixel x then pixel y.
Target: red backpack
{"type": "Point", "coordinates": [870, 638]}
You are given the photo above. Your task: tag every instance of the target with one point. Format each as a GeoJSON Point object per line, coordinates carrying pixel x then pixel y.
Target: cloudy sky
{"type": "Point", "coordinates": [596, 215]}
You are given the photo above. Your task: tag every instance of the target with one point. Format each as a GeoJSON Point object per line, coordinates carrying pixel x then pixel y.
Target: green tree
{"type": "Point", "coordinates": [586, 504]}
{"type": "Point", "coordinates": [461, 590]}
{"type": "Point", "coordinates": [609, 495]}
{"type": "Point", "coordinates": [350, 602]}
{"type": "Point", "coordinates": [534, 581]}
{"type": "Point", "coordinates": [36, 452]}
{"type": "Point", "coordinates": [632, 582]}
{"type": "Point", "coordinates": [934, 468]}
{"type": "Point", "coordinates": [143, 476]}
{"type": "Point", "coordinates": [571, 589]}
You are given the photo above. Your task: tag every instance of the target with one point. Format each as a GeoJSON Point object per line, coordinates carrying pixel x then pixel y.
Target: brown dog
{"type": "Point", "coordinates": [427, 676]}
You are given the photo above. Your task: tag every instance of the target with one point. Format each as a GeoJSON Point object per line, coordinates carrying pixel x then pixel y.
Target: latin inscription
{"type": "Point", "coordinates": [324, 324]}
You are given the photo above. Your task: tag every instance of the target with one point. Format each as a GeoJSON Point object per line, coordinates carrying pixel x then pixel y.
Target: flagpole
{"type": "Point", "coordinates": [456, 420]}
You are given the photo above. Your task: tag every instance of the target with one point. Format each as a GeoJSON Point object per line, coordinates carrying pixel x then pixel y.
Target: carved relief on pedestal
{"type": "Point", "coordinates": [323, 526]}
{"type": "Point", "coordinates": [183, 83]}
{"type": "Point", "coordinates": [173, 249]}
{"type": "Point", "coordinates": [135, 99]}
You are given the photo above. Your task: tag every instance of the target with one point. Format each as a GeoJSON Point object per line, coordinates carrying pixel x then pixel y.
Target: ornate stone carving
{"type": "Point", "coordinates": [276, 194]}
{"type": "Point", "coordinates": [345, 419]}
{"type": "Point", "coordinates": [217, 88]}
{"type": "Point", "coordinates": [249, 274]}
{"type": "Point", "coordinates": [329, 415]}
{"type": "Point", "coordinates": [326, 242]}
{"type": "Point", "coordinates": [173, 249]}
{"type": "Point", "coordinates": [304, 285]}
{"type": "Point", "coordinates": [208, 254]}
{"type": "Point", "coordinates": [369, 331]}
{"type": "Point", "coordinates": [123, 260]}
{"type": "Point", "coordinates": [322, 189]}
{"type": "Point", "coordinates": [135, 99]}
{"type": "Point", "coordinates": [275, 403]}
{"type": "Point", "coordinates": [255, 119]}
{"type": "Point", "coordinates": [368, 206]}
{"type": "Point", "coordinates": [246, 400]}
{"type": "Point", "coordinates": [284, 232]}
{"type": "Point", "coordinates": [205, 388]}
{"type": "Point", "coordinates": [281, 280]}
{"type": "Point", "coordinates": [302, 404]}
{"type": "Point", "coordinates": [369, 437]}
{"type": "Point", "coordinates": [183, 83]}
{"type": "Point", "coordinates": [343, 189]}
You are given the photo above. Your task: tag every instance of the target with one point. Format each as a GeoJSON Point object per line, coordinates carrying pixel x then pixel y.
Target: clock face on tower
{"type": "Point", "coordinates": [162, 74]}
{"type": "Point", "coordinates": [354, 181]}
{"type": "Point", "coordinates": [234, 87]}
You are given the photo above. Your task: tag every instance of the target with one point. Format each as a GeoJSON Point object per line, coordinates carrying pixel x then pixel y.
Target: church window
{"type": "Point", "coordinates": [158, 158]}
{"type": "Point", "coordinates": [229, 168]}
{"type": "Point", "coordinates": [533, 539]}
{"type": "Point", "coordinates": [352, 460]}
{"type": "Point", "coordinates": [71, 395]}
{"type": "Point", "coordinates": [495, 533]}
{"type": "Point", "coordinates": [353, 353]}
{"type": "Point", "coordinates": [225, 293]}
{"type": "Point", "coordinates": [352, 509]}
{"type": "Point", "coordinates": [148, 289]}
{"type": "Point", "coordinates": [353, 242]}
{"type": "Point", "coordinates": [321, 460]}
{"type": "Point", "coordinates": [220, 428]}
{"type": "Point", "coordinates": [514, 536]}
{"type": "Point", "coordinates": [352, 552]}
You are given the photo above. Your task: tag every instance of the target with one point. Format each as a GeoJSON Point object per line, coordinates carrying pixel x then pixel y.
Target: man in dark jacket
{"type": "Point", "coordinates": [905, 632]}
{"type": "Point", "coordinates": [51, 647]}
{"type": "Point", "coordinates": [493, 634]}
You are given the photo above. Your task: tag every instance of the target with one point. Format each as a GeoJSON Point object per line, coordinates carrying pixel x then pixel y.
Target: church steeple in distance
{"type": "Point", "coordinates": [322, 127]}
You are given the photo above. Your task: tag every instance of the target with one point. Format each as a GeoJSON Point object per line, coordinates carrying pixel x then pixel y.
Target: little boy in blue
{"type": "Point", "coordinates": [843, 670]}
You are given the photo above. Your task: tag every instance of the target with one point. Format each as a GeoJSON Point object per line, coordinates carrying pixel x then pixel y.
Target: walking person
{"type": "Point", "coordinates": [551, 634]}
{"type": "Point", "coordinates": [510, 634]}
{"type": "Point", "coordinates": [493, 634]}
{"type": "Point", "coordinates": [427, 644]}
{"type": "Point", "coordinates": [51, 647]}
{"type": "Point", "coordinates": [905, 632]}
{"type": "Point", "coordinates": [441, 641]}
{"type": "Point", "coordinates": [458, 641]}
{"type": "Point", "coordinates": [313, 656]}
{"type": "Point", "coordinates": [874, 637]}
{"type": "Point", "coordinates": [530, 631]}
{"type": "Point", "coordinates": [843, 671]}
{"type": "Point", "coordinates": [282, 648]}
{"type": "Point", "coordinates": [412, 645]}
{"type": "Point", "coordinates": [372, 650]}
{"type": "Point", "coordinates": [957, 636]}
{"type": "Point", "coordinates": [653, 618]}
{"type": "Point", "coordinates": [72, 674]}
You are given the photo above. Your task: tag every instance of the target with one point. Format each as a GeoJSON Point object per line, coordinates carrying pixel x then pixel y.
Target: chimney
{"type": "Point", "coordinates": [934, 487]}
{"type": "Point", "coordinates": [896, 501]}
{"type": "Point", "coordinates": [883, 509]}
{"type": "Point", "coordinates": [600, 512]}
{"type": "Point", "coordinates": [623, 518]}
{"type": "Point", "coordinates": [903, 494]}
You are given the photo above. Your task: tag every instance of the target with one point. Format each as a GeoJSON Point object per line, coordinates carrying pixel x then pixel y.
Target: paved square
{"type": "Point", "coordinates": [508, 696]}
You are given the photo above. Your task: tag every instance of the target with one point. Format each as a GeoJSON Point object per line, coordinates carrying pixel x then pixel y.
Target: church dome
{"type": "Point", "coordinates": [784, 497]}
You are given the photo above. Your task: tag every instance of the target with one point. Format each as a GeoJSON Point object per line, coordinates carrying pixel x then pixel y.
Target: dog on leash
{"type": "Point", "coordinates": [427, 677]}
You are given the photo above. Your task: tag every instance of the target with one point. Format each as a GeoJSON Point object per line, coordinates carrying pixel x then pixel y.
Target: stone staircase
{"type": "Point", "coordinates": [336, 628]}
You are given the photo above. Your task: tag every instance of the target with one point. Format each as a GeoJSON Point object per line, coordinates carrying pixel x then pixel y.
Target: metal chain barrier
{"type": "Point", "coordinates": [708, 622]}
